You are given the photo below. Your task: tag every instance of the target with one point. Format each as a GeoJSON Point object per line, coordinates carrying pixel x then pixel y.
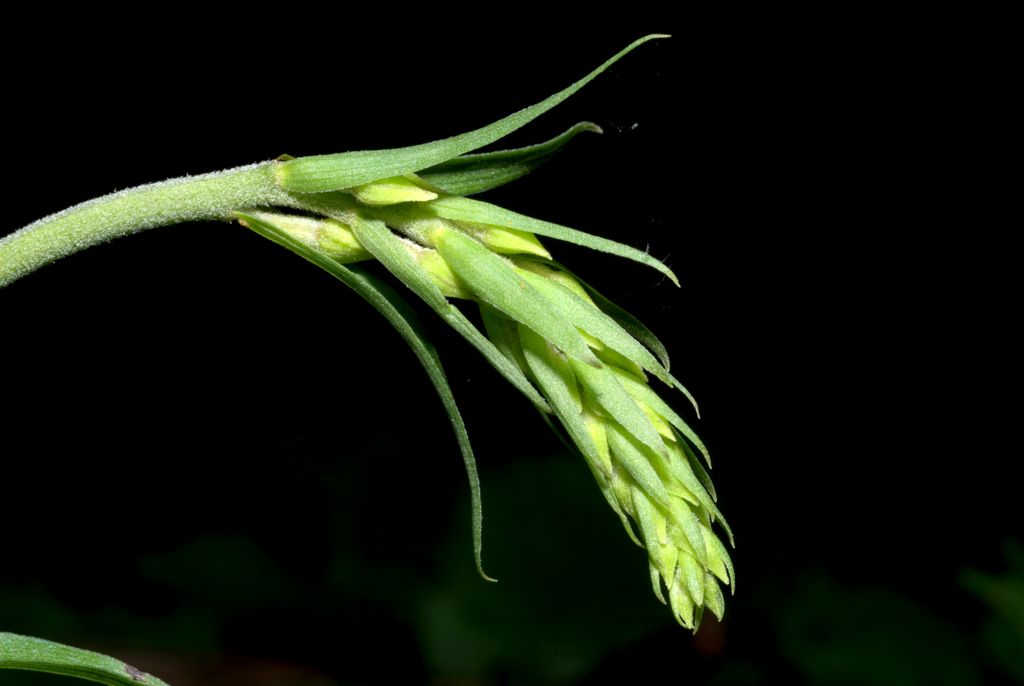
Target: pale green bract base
{"type": "Point", "coordinates": [556, 339]}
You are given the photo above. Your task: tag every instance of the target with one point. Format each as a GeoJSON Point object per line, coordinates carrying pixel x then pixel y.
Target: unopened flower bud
{"type": "Point", "coordinates": [391, 191]}
{"type": "Point", "coordinates": [504, 241]}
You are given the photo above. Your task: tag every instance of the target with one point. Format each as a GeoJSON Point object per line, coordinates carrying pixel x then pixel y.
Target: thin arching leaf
{"type": "Point", "coordinates": [398, 313]}
{"type": "Point", "coordinates": [471, 174]}
{"type": "Point", "coordinates": [469, 210]}
{"type": "Point", "coordinates": [320, 173]}
{"type": "Point", "coordinates": [38, 655]}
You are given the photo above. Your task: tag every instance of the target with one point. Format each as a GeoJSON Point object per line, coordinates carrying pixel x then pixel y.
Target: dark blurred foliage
{"type": "Point", "coordinates": [1002, 634]}
{"type": "Point", "coordinates": [223, 467]}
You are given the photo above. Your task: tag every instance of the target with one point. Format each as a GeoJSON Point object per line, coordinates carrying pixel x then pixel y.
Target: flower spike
{"type": "Point", "coordinates": [576, 354]}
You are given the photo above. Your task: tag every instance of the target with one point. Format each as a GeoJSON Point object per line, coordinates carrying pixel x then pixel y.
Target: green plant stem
{"type": "Point", "coordinates": [189, 198]}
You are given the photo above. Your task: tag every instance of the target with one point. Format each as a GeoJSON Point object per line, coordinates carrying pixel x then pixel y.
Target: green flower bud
{"type": "Point", "coordinates": [391, 191]}
{"type": "Point", "coordinates": [504, 241]}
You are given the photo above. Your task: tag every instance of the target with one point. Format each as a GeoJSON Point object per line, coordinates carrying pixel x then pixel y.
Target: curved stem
{"type": "Point", "coordinates": [189, 198]}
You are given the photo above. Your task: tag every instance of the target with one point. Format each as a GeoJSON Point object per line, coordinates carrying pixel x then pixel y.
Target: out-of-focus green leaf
{"type": "Point", "coordinates": [38, 655]}
{"type": "Point", "coordinates": [868, 636]}
{"type": "Point", "coordinates": [552, 620]}
{"type": "Point", "coordinates": [1002, 633]}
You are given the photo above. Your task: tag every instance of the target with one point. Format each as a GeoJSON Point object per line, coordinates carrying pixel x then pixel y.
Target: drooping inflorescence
{"type": "Point", "coordinates": [574, 354]}
{"type": "Point", "coordinates": [580, 359]}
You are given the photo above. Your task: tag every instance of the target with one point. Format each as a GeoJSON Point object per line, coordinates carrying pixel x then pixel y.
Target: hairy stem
{"type": "Point", "coordinates": [189, 198]}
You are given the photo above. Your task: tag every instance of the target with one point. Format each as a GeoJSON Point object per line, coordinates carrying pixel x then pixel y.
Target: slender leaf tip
{"type": "Point", "coordinates": [323, 173]}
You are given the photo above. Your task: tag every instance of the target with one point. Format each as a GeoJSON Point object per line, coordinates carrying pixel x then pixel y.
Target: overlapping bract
{"type": "Point", "coordinates": [630, 438]}
{"type": "Point", "coordinates": [590, 371]}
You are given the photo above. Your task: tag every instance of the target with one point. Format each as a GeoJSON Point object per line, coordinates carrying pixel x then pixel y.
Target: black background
{"type": "Point", "coordinates": [844, 321]}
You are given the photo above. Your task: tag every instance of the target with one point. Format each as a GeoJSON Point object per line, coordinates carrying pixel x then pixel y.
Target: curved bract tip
{"type": "Point", "coordinates": [323, 173]}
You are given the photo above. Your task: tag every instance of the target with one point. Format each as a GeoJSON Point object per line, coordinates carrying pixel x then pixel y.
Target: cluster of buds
{"type": "Point", "coordinates": [574, 354]}
{"type": "Point", "coordinates": [590, 372]}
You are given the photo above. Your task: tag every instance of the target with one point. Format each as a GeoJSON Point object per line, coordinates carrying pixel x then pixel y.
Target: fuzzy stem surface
{"type": "Point", "coordinates": [189, 198]}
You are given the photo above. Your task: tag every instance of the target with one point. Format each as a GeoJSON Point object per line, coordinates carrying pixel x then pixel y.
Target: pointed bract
{"type": "Point", "coordinates": [320, 173]}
